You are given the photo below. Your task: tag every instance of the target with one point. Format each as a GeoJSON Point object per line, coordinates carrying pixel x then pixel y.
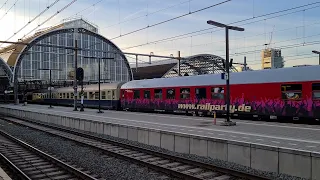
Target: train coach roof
{"type": "Point", "coordinates": [91, 87]}
{"type": "Point", "coordinates": [292, 74]}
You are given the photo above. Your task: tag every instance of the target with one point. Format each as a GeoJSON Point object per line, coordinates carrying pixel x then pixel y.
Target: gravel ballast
{"type": "Point", "coordinates": [208, 160]}
{"type": "Point", "coordinates": [214, 162]}
{"type": "Point", "coordinates": [93, 160]}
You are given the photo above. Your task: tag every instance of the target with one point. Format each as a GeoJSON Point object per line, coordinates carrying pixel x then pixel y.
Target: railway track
{"type": "Point", "coordinates": [166, 163]}
{"type": "Point", "coordinates": [22, 161]}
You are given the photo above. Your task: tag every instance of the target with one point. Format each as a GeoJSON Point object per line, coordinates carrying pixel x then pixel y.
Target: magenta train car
{"type": "Point", "coordinates": [292, 93]}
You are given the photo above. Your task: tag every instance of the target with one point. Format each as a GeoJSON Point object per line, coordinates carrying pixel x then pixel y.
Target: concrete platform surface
{"type": "Point", "coordinates": [283, 135]}
{"type": "Point", "coordinates": [4, 175]}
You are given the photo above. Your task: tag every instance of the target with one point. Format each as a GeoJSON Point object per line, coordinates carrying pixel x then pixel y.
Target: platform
{"type": "Point", "coordinates": [297, 136]}
{"type": "Point", "coordinates": [273, 147]}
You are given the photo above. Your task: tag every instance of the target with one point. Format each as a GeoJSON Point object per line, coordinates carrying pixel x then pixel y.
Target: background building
{"type": "Point", "coordinates": [271, 59]}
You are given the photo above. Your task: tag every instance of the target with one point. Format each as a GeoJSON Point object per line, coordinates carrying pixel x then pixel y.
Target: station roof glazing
{"type": "Point", "coordinates": [199, 64]}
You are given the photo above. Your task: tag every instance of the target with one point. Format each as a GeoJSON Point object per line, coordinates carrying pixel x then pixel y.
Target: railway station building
{"type": "Point", "coordinates": [45, 51]}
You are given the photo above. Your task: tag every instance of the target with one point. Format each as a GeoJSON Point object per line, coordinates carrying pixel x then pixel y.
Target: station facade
{"type": "Point", "coordinates": [34, 61]}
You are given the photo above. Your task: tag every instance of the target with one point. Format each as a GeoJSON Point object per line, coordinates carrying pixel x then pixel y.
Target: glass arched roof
{"type": "Point", "coordinates": [199, 64]}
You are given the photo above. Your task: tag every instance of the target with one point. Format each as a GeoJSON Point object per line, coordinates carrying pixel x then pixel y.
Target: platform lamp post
{"type": "Point", "coordinates": [227, 66]}
{"type": "Point", "coordinates": [99, 76]}
{"type": "Point", "coordinates": [50, 84]}
{"type": "Point", "coordinates": [317, 52]}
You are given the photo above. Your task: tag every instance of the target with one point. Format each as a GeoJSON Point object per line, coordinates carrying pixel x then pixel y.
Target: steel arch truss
{"type": "Point", "coordinates": [69, 30]}
{"type": "Point", "coordinates": [5, 76]}
{"type": "Point", "coordinates": [38, 39]}
{"type": "Point", "coordinates": [199, 64]}
{"type": "Point", "coordinates": [5, 71]}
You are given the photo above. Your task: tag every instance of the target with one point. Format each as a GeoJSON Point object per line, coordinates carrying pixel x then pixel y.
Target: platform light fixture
{"type": "Point", "coordinates": [227, 65]}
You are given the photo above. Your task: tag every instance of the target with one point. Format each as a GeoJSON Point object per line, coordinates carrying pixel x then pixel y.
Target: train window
{"type": "Point", "coordinates": [136, 94]}
{"type": "Point", "coordinates": [217, 93]}
{"type": "Point", "coordinates": [67, 95]}
{"type": "Point", "coordinates": [291, 91]}
{"type": "Point", "coordinates": [85, 95]}
{"type": "Point", "coordinates": [146, 94]}
{"type": "Point", "coordinates": [113, 94]}
{"type": "Point", "coordinates": [158, 93]}
{"type": "Point", "coordinates": [71, 95]}
{"type": "Point", "coordinates": [201, 93]}
{"type": "Point", "coordinates": [103, 95]}
{"type": "Point", "coordinates": [291, 87]}
{"type": "Point", "coordinates": [185, 93]}
{"type": "Point", "coordinates": [171, 93]}
{"type": "Point", "coordinates": [316, 91]}
{"type": "Point", "coordinates": [91, 95]}
{"type": "Point", "coordinates": [96, 95]}
{"type": "Point", "coordinates": [108, 94]}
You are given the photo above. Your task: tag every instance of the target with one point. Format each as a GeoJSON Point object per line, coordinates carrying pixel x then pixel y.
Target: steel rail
{"type": "Point", "coordinates": [75, 172]}
{"type": "Point", "coordinates": [13, 168]}
{"type": "Point", "coordinates": [118, 146]}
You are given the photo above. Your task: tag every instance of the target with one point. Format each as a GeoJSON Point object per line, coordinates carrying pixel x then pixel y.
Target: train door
{"type": "Point", "coordinates": [128, 94]}
{"type": "Point", "coordinates": [126, 97]}
{"type": "Point", "coordinates": [316, 100]}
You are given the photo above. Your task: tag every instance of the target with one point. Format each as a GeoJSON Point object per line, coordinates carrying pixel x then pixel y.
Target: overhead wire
{"type": "Point", "coordinates": [256, 17]}
{"type": "Point", "coordinates": [181, 36]}
{"type": "Point", "coordinates": [162, 22]}
{"type": "Point", "coordinates": [83, 10]}
{"type": "Point", "coordinates": [48, 19]}
{"type": "Point", "coordinates": [86, 48]}
{"type": "Point", "coordinates": [4, 4]}
{"type": "Point", "coordinates": [244, 47]}
{"type": "Point", "coordinates": [9, 10]}
{"type": "Point", "coordinates": [37, 16]}
{"type": "Point", "coordinates": [280, 41]}
{"type": "Point", "coordinates": [279, 47]}
{"type": "Point", "coordinates": [151, 13]}
{"type": "Point", "coordinates": [242, 20]}
{"type": "Point", "coordinates": [296, 59]}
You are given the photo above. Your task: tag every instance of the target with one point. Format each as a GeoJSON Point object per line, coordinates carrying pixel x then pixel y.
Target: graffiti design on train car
{"type": "Point", "coordinates": [212, 107]}
{"type": "Point", "coordinates": [305, 108]}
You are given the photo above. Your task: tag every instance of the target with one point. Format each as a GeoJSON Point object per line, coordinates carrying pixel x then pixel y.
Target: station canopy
{"type": "Point", "coordinates": [197, 65]}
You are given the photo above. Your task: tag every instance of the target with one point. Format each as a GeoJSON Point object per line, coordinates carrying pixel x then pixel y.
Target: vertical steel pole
{"type": "Point", "coordinates": [227, 79]}
{"type": "Point", "coordinates": [74, 74]}
{"type": "Point", "coordinates": [245, 63]}
{"type": "Point", "coordinates": [136, 63]}
{"type": "Point", "coordinates": [99, 59]}
{"type": "Point", "coordinates": [50, 89]}
{"type": "Point", "coordinates": [179, 59]}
